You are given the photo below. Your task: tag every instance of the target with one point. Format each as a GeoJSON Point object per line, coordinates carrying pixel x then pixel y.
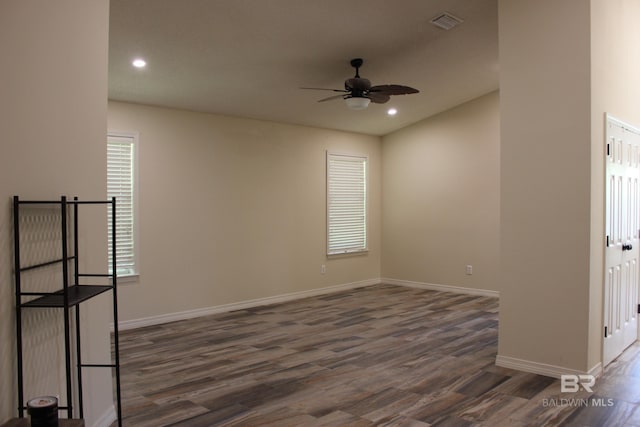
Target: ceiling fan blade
{"type": "Point", "coordinates": [393, 89]}
{"type": "Point", "coordinates": [322, 88]}
{"type": "Point", "coordinates": [378, 98]}
{"type": "Point", "coordinates": [331, 97]}
{"type": "Point", "coordinates": [357, 83]}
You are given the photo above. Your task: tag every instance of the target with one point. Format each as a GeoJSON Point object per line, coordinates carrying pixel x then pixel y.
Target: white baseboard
{"type": "Point", "coordinates": [597, 370]}
{"type": "Point", "coordinates": [242, 305]}
{"type": "Point", "coordinates": [442, 288]}
{"type": "Point", "coordinates": [107, 418]}
{"type": "Point", "coordinates": [543, 368]}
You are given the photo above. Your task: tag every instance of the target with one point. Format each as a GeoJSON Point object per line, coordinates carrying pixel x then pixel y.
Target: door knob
{"type": "Point", "coordinates": [627, 247]}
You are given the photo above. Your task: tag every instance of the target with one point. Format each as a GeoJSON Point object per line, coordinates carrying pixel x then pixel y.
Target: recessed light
{"type": "Point", "coordinates": [392, 111]}
{"type": "Point", "coordinates": [139, 63]}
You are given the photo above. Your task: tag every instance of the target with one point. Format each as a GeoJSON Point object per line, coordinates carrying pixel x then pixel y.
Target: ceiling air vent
{"type": "Point", "coordinates": [446, 21]}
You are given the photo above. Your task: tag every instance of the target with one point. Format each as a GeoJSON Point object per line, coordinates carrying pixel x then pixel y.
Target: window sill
{"type": "Point", "coordinates": [347, 254]}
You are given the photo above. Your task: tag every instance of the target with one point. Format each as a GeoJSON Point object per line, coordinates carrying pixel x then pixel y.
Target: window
{"type": "Point", "coordinates": [346, 204]}
{"type": "Point", "coordinates": [121, 184]}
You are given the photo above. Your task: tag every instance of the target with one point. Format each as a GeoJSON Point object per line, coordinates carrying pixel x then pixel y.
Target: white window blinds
{"type": "Point", "coordinates": [346, 204]}
{"type": "Point", "coordinates": [121, 185]}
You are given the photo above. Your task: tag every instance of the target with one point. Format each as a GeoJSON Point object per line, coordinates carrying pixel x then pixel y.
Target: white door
{"type": "Point", "coordinates": [622, 238]}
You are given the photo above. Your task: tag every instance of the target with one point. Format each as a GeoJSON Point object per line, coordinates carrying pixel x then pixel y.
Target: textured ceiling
{"type": "Point", "coordinates": [249, 58]}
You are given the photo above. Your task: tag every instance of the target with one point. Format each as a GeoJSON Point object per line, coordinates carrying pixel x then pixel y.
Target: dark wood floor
{"type": "Point", "coordinates": [376, 356]}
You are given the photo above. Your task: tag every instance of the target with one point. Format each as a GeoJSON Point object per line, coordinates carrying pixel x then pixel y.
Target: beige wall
{"type": "Point", "coordinates": [234, 209]}
{"type": "Point", "coordinates": [441, 198]}
{"type": "Point", "coordinates": [615, 89]}
{"type": "Point", "coordinates": [53, 121]}
{"type": "Point", "coordinates": [545, 181]}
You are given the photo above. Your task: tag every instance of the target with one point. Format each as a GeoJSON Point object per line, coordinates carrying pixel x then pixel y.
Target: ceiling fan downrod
{"type": "Point", "coordinates": [357, 63]}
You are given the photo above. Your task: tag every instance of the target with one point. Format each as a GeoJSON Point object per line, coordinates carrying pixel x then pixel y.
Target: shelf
{"type": "Point", "coordinates": [47, 234]}
{"type": "Point", "coordinates": [77, 294]}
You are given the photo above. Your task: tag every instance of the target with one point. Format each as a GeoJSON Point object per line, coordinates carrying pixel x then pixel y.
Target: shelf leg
{"type": "Point", "coordinates": [16, 243]}
{"type": "Point", "coordinates": [65, 282]}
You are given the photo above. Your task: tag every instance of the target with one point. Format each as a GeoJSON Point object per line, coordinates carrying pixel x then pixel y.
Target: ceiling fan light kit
{"type": "Point", "coordinates": [357, 102]}
{"type": "Point", "coordinates": [358, 92]}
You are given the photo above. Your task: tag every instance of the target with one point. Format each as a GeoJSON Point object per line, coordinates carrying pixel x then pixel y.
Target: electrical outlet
{"type": "Point", "coordinates": [469, 269]}
{"type": "Point", "coordinates": [323, 269]}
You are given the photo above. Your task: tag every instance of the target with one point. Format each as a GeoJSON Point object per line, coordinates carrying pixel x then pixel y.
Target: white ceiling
{"type": "Point", "coordinates": [249, 58]}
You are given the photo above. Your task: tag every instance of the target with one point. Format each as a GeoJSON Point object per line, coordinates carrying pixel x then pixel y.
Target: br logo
{"type": "Point", "coordinates": [573, 383]}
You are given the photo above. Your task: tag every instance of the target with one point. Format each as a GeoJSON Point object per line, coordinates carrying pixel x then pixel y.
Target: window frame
{"type": "Point", "coordinates": [134, 138]}
{"type": "Point", "coordinates": [354, 250]}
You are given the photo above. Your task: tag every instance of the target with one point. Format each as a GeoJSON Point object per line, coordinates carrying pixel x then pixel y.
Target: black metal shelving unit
{"type": "Point", "coordinates": [68, 298]}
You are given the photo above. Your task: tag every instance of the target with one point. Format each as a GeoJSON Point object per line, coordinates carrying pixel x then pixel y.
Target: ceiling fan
{"type": "Point", "coordinates": [358, 92]}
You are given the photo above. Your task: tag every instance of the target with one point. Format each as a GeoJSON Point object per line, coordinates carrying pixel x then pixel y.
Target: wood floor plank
{"type": "Point", "coordinates": [376, 356]}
